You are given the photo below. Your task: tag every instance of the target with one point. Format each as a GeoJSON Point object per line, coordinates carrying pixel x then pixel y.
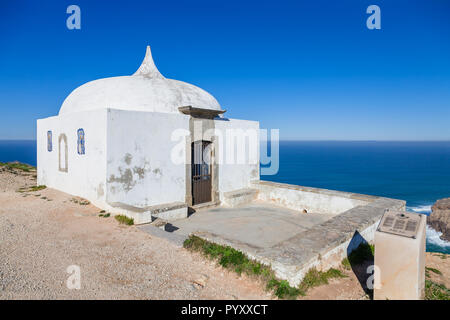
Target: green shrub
{"type": "Point", "coordinates": [283, 290]}
{"type": "Point", "coordinates": [124, 220]}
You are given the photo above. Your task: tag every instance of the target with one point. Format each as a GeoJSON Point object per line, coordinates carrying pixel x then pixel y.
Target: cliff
{"type": "Point", "coordinates": [439, 218]}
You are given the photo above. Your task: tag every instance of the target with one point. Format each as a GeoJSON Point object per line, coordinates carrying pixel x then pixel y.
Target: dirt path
{"type": "Point", "coordinates": [44, 232]}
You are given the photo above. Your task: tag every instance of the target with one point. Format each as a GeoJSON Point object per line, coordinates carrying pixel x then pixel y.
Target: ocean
{"type": "Point", "coordinates": [418, 172]}
{"type": "Point", "coordinates": [18, 150]}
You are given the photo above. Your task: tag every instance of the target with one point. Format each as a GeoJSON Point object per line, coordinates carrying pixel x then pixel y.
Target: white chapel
{"type": "Point", "coordinates": [146, 146]}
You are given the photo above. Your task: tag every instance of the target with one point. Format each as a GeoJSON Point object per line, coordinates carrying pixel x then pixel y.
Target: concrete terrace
{"type": "Point", "coordinates": [256, 225]}
{"type": "Point", "coordinates": [269, 224]}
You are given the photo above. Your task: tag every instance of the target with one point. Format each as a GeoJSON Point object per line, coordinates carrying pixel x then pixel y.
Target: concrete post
{"type": "Point", "coordinates": [399, 272]}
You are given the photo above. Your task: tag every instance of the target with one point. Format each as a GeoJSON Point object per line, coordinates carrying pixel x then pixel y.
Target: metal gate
{"type": "Point", "coordinates": [201, 172]}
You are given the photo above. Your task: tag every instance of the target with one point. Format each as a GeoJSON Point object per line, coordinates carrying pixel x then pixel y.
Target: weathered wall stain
{"type": "Point", "coordinates": [128, 157]}
{"type": "Point", "coordinates": [100, 191]}
{"type": "Point", "coordinates": [140, 172]}
{"type": "Point", "coordinates": [129, 177]}
{"type": "Point", "coordinates": [125, 179]}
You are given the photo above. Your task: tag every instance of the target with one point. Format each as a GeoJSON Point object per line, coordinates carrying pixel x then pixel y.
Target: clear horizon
{"type": "Point", "coordinates": [324, 140]}
{"type": "Point", "coordinates": [312, 70]}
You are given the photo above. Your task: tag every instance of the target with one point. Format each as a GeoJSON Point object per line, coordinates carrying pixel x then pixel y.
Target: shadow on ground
{"type": "Point", "coordinates": [361, 261]}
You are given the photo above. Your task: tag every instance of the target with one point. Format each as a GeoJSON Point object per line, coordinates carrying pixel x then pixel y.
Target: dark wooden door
{"type": "Point", "coordinates": [201, 172]}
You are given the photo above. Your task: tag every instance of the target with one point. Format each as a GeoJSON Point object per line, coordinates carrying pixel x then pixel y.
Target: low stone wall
{"type": "Point", "coordinates": [324, 245]}
{"type": "Point", "coordinates": [169, 211]}
{"type": "Point", "coordinates": [239, 197]}
{"type": "Point", "coordinates": [310, 199]}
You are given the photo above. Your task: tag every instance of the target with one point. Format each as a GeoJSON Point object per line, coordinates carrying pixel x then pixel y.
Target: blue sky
{"type": "Point", "coordinates": [310, 68]}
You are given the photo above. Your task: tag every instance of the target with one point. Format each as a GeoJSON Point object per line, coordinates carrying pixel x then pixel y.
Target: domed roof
{"type": "Point", "coordinates": [145, 90]}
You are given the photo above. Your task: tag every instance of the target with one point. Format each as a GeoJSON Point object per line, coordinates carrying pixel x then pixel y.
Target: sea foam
{"type": "Point", "coordinates": [433, 237]}
{"type": "Point", "coordinates": [426, 209]}
{"type": "Point", "coordinates": [434, 242]}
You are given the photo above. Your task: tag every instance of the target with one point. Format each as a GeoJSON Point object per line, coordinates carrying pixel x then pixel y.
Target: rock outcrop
{"type": "Point", "coordinates": [439, 218]}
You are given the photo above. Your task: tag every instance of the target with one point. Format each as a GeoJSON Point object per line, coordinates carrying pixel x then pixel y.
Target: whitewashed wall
{"type": "Point", "coordinates": [235, 176]}
{"type": "Point", "coordinates": [311, 199]}
{"type": "Point", "coordinates": [128, 157]}
{"type": "Point", "coordinates": [140, 171]}
{"type": "Point", "coordinates": [85, 176]}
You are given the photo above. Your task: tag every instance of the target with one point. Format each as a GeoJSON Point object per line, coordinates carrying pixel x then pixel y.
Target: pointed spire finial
{"type": "Point", "coordinates": [148, 68]}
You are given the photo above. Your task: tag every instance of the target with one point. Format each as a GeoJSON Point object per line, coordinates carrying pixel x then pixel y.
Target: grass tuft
{"type": "Point", "coordinates": [31, 189]}
{"type": "Point", "coordinates": [427, 269]}
{"type": "Point", "coordinates": [124, 220]}
{"type": "Point", "coordinates": [283, 290]}
{"type": "Point", "coordinates": [315, 278]}
{"type": "Point", "coordinates": [80, 201]}
{"type": "Point", "coordinates": [435, 291]}
{"type": "Point", "coordinates": [346, 264]}
{"type": "Point", "coordinates": [37, 188]}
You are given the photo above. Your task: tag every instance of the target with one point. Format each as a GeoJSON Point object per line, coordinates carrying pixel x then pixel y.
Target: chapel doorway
{"type": "Point", "coordinates": [201, 172]}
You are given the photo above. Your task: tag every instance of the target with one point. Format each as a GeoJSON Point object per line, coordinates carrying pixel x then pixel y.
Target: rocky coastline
{"type": "Point", "coordinates": [439, 218]}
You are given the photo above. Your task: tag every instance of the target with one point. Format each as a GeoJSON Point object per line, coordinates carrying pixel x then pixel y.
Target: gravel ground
{"type": "Point", "coordinates": [44, 232]}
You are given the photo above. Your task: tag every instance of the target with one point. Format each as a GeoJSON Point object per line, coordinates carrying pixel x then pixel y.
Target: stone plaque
{"type": "Point", "coordinates": [400, 223]}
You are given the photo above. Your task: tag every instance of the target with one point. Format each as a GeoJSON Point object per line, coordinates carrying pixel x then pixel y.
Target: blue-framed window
{"type": "Point", "coordinates": [81, 140]}
{"type": "Point", "coordinates": [49, 141]}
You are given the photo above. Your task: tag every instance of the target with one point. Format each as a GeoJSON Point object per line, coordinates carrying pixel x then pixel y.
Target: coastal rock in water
{"type": "Point", "coordinates": [439, 218]}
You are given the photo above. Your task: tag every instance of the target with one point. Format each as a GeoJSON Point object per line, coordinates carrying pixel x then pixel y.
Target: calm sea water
{"type": "Point", "coordinates": [418, 172]}
{"type": "Point", "coordinates": [18, 150]}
